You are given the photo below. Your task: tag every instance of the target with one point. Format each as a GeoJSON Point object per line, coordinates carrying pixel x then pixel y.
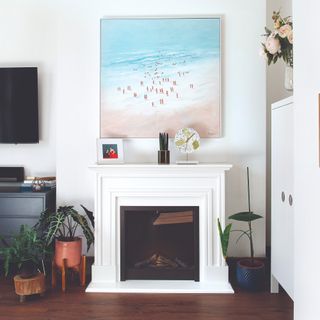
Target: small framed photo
{"type": "Point", "coordinates": [110, 150]}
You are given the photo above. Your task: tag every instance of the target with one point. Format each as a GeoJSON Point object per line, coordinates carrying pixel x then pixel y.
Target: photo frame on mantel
{"type": "Point", "coordinates": [160, 74]}
{"type": "Point", "coordinates": [109, 151]}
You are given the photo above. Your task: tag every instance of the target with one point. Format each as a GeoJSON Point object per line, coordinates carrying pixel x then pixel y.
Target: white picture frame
{"type": "Point", "coordinates": [109, 151]}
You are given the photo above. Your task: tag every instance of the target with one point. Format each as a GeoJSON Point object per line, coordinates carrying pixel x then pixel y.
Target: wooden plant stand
{"type": "Point", "coordinates": [29, 286]}
{"type": "Point", "coordinates": [80, 269]}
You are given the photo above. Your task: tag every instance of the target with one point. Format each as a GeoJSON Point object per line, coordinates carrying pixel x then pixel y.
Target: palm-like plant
{"type": "Point", "coordinates": [63, 225]}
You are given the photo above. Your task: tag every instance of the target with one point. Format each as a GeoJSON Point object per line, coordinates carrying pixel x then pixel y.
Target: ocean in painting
{"type": "Point", "coordinates": [160, 75]}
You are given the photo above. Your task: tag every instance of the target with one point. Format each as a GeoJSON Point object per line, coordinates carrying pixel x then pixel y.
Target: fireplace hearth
{"type": "Point", "coordinates": [159, 243]}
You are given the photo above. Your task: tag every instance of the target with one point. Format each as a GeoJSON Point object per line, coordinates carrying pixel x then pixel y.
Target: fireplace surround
{"type": "Point", "coordinates": [149, 185]}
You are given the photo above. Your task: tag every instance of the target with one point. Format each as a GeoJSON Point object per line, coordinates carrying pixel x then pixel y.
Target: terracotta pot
{"type": "Point", "coordinates": [70, 250]}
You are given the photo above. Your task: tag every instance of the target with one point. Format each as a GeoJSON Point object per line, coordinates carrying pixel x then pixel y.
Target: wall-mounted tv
{"type": "Point", "coordinates": [19, 105]}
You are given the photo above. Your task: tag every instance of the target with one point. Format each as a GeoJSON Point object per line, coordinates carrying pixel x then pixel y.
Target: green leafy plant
{"type": "Point", "coordinates": [224, 238]}
{"type": "Point", "coordinates": [163, 141]}
{"type": "Point", "coordinates": [248, 217]}
{"type": "Point", "coordinates": [63, 225]}
{"type": "Point", "coordinates": [25, 250]}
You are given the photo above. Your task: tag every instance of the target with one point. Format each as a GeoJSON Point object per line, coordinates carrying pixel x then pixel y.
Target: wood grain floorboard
{"type": "Point", "coordinates": [75, 304]}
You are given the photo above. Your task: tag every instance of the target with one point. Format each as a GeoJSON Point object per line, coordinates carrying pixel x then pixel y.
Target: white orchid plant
{"type": "Point", "coordinates": [279, 42]}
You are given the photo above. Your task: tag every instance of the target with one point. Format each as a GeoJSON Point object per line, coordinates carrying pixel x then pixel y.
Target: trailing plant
{"type": "Point", "coordinates": [163, 141]}
{"type": "Point", "coordinates": [248, 217]}
{"type": "Point", "coordinates": [24, 248]}
{"type": "Point", "coordinates": [63, 225]}
{"type": "Point", "coordinates": [224, 238]}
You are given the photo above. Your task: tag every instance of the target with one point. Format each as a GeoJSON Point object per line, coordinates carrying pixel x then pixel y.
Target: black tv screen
{"type": "Point", "coordinates": [19, 105]}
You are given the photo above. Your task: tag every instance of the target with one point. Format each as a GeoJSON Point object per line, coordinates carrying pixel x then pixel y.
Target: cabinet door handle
{"type": "Point", "coordinates": [290, 200]}
{"type": "Point", "coordinates": [283, 196]}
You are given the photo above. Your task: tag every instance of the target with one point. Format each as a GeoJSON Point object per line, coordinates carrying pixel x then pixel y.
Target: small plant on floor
{"type": "Point", "coordinates": [250, 272]}
{"type": "Point", "coordinates": [25, 251]}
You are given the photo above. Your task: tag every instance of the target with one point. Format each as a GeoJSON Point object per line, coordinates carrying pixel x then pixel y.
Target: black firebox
{"type": "Point", "coordinates": [159, 243]}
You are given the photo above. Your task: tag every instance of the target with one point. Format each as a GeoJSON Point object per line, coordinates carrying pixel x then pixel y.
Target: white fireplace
{"type": "Point", "coordinates": [120, 185]}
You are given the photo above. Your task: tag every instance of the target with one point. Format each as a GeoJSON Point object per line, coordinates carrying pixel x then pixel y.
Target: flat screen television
{"type": "Point", "coordinates": [19, 105]}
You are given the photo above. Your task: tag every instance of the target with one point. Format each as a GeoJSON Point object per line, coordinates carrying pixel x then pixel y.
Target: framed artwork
{"type": "Point", "coordinates": [160, 75]}
{"type": "Point", "coordinates": [110, 150]}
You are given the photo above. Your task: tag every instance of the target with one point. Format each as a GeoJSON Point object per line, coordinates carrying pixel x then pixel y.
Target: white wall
{"type": "Point", "coordinates": [307, 170]}
{"type": "Point", "coordinates": [76, 92]}
{"type": "Point", "coordinates": [29, 38]}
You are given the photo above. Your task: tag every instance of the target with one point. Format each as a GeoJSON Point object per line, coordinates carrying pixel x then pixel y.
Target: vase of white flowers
{"type": "Point", "coordinates": [279, 45]}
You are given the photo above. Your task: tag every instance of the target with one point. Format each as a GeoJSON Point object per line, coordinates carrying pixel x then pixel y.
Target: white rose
{"type": "Point", "coordinates": [284, 31]}
{"type": "Point", "coordinates": [273, 45]}
{"type": "Point", "coordinates": [290, 37]}
{"type": "Point", "coordinates": [263, 54]}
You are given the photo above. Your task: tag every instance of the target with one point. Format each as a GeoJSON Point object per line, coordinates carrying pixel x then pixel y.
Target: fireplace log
{"type": "Point", "coordinates": [165, 218]}
{"type": "Point", "coordinates": [159, 261]}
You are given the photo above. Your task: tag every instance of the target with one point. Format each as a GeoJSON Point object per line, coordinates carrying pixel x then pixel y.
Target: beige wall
{"type": "Point", "coordinates": [275, 92]}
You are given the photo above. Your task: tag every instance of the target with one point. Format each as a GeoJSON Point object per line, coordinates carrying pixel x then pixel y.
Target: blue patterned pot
{"type": "Point", "coordinates": [251, 277]}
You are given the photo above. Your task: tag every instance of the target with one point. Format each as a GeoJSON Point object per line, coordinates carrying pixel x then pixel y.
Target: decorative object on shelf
{"type": "Point", "coordinates": [163, 73]}
{"type": "Point", "coordinates": [224, 238]}
{"type": "Point", "coordinates": [38, 185]}
{"type": "Point", "coordinates": [110, 151]}
{"type": "Point", "coordinates": [279, 45]}
{"type": "Point", "coordinates": [187, 140]}
{"type": "Point", "coordinates": [250, 272]}
{"type": "Point", "coordinates": [164, 153]}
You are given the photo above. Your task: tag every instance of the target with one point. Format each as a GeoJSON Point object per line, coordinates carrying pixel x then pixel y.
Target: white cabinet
{"type": "Point", "coordinates": [282, 198]}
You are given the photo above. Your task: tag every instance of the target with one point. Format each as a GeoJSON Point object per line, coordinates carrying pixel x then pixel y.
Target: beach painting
{"type": "Point", "coordinates": [160, 75]}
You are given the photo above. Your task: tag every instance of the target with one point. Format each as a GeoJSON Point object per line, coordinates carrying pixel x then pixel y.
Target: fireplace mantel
{"type": "Point", "coordinates": [117, 185]}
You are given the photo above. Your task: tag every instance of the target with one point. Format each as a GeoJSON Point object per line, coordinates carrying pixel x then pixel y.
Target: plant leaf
{"type": "Point", "coordinates": [246, 216]}
{"type": "Point", "coordinates": [224, 237]}
{"type": "Point", "coordinates": [89, 214]}
{"type": "Point", "coordinates": [83, 223]}
{"type": "Point", "coordinates": [56, 222]}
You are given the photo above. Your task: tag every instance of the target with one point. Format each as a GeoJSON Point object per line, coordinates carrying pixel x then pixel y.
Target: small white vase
{"type": "Point", "coordinates": [288, 78]}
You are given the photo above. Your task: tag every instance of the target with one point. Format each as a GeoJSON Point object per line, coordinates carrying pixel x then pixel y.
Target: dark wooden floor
{"type": "Point", "coordinates": [76, 304]}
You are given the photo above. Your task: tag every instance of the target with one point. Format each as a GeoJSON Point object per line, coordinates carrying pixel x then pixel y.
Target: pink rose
{"type": "Point", "coordinates": [284, 31]}
{"type": "Point", "coordinates": [273, 45]}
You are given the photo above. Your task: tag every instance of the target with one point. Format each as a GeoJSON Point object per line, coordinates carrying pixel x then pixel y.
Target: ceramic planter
{"type": "Point", "coordinates": [251, 277]}
{"type": "Point", "coordinates": [69, 250]}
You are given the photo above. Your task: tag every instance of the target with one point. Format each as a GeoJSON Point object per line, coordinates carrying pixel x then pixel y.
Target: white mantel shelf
{"type": "Point", "coordinates": [148, 184]}
{"type": "Point", "coordinates": [155, 165]}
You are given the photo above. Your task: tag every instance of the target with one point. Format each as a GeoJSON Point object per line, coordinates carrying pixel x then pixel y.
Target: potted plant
{"type": "Point", "coordinates": [60, 227]}
{"type": "Point", "coordinates": [26, 252]}
{"type": "Point", "coordinates": [250, 272]}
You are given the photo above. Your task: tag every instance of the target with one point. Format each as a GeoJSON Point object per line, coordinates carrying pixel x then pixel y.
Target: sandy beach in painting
{"type": "Point", "coordinates": [147, 91]}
